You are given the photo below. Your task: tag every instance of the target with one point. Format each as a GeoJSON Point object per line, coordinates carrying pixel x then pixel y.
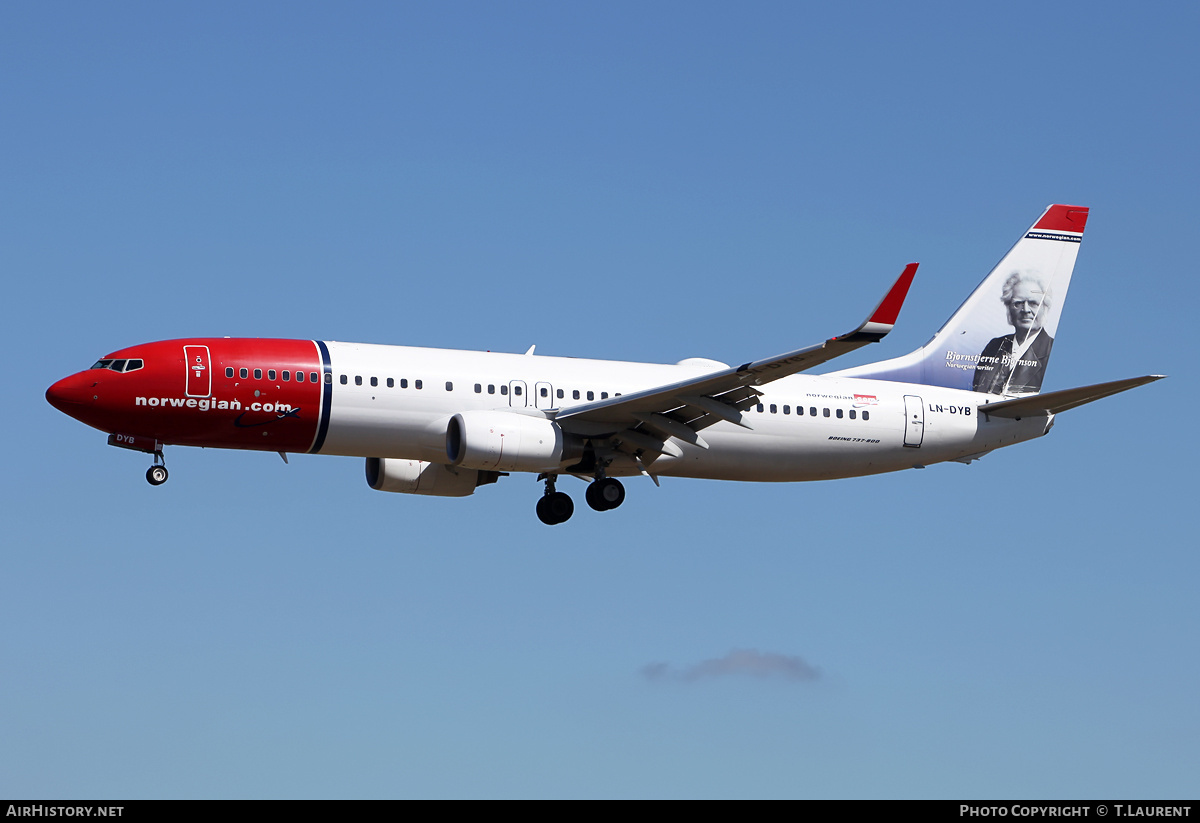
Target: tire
{"type": "Point", "coordinates": [605, 494]}
{"type": "Point", "coordinates": [612, 493]}
{"type": "Point", "coordinates": [560, 506]}
{"type": "Point", "coordinates": [156, 475]}
{"type": "Point", "coordinates": [555, 508]}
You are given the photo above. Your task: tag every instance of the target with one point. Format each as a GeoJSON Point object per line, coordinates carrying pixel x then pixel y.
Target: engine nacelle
{"type": "Point", "coordinates": [390, 474]}
{"type": "Point", "coordinates": [504, 441]}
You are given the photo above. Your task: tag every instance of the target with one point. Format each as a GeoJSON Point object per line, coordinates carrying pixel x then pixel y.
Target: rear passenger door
{"type": "Point", "coordinates": [914, 421]}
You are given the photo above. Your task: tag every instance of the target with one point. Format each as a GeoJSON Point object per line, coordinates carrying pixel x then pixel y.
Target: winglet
{"type": "Point", "coordinates": [889, 308]}
{"type": "Point", "coordinates": [883, 319]}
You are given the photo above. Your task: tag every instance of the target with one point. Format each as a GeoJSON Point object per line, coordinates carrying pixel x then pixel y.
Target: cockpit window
{"type": "Point", "coordinates": [118, 365]}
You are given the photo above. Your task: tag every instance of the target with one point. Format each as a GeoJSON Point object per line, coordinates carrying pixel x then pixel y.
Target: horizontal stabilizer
{"type": "Point", "coordinates": [1060, 401]}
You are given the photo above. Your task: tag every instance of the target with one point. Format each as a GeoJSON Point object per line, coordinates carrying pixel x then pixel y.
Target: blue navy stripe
{"type": "Point", "coordinates": [326, 397]}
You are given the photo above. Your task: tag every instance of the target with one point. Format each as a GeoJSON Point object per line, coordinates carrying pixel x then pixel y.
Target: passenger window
{"type": "Point", "coordinates": [258, 374]}
{"type": "Point", "coordinates": [825, 412]}
{"type": "Point", "coordinates": [229, 371]}
{"type": "Point", "coordinates": [391, 382]}
{"type": "Point", "coordinates": [575, 394]}
{"type": "Point", "coordinates": [774, 409]}
{"type": "Point", "coordinates": [374, 382]}
{"type": "Point", "coordinates": [866, 415]}
{"type": "Point", "coordinates": [603, 395]}
{"type": "Point", "coordinates": [329, 377]}
{"type": "Point", "coordinates": [345, 379]}
{"type": "Point", "coordinates": [287, 375]}
{"type": "Point", "coordinates": [404, 382]}
{"type": "Point", "coordinates": [312, 377]}
{"type": "Point", "coordinates": [799, 411]}
{"type": "Point", "coordinates": [545, 392]}
{"type": "Point", "coordinates": [839, 414]}
{"type": "Point", "coordinates": [787, 409]}
{"type": "Point", "coordinates": [491, 388]}
{"type": "Point", "coordinates": [853, 414]}
{"type": "Point", "coordinates": [591, 395]}
{"type": "Point", "coordinates": [812, 411]}
{"type": "Point", "coordinates": [358, 379]}
{"type": "Point", "coordinates": [449, 386]}
{"type": "Point", "coordinates": [759, 408]}
{"type": "Point", "coordinates": [517, 391]}
{"type": "Point", "coordinates": [299, 377]}
{"type": "Point", "coordinates": [560, 394]}
{"type": "Point", "coordinates": [270, 374]}
{"type": "Point", "coordinates": [478, 388]}
{"type": "Point", "coordinates": [503, 389]}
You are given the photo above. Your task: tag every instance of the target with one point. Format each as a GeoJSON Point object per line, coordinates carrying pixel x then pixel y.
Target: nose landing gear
{"type": "Point", "coordinates": [156, 475]}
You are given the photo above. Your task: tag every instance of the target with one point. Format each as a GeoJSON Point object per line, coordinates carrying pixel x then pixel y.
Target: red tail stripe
{"type": "Point", "coordinates": [1064, 218]}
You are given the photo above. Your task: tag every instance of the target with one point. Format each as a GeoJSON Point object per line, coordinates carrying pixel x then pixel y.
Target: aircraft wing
{"type": "Point", "coordinates": [645, 421]}
{"type": "Point", "coordinates": [1060, 401]}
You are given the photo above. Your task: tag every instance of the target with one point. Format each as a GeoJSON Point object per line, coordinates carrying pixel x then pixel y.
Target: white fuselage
{"type": "Point", "coordinates": [848, 426]}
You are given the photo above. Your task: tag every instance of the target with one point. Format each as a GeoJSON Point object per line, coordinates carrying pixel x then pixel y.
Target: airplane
{"type": "Point", "coordinates": [445, 422]}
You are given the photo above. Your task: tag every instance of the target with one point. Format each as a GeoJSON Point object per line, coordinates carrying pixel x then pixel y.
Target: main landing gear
{"type": "Point", "coordinates": [556, 507]}
{"type": "Point", "coordinates": [156, 475]}
{"type": "Point", "coordinates": [605, 493]}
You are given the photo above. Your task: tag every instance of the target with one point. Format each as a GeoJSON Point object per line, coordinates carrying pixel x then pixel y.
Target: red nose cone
{"type": "Point", "coordinates": [70, 394]}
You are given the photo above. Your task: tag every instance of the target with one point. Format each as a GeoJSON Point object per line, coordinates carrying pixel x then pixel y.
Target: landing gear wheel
{"type": "Point", "coordinates": [555, 508]}
{"type": "Point", "coordinates": [156, 475]}
{"type": "Point", "coordinates": [604, 494]}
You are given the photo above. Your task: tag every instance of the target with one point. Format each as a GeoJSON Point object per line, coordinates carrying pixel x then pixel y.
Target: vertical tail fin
{"type": "Point", "coordinates": [999, 340]}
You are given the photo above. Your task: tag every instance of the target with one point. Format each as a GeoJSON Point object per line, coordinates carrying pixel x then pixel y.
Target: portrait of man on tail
{"type": "Point", "coordinates": [1016, 363]}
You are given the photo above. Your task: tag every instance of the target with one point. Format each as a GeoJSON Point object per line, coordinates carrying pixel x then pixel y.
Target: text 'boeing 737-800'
{"type": "Point", "coordinates": [444, 422]}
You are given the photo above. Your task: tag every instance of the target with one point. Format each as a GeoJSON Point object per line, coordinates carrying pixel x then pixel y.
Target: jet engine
{"type": "Point", "coordinates": [390, 474]}
{"type": "Point", "coordinates": [504, 441]}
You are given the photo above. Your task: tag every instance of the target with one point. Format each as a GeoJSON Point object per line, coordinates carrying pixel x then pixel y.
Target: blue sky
{"type": "Point", "coordinates": [622, 181]}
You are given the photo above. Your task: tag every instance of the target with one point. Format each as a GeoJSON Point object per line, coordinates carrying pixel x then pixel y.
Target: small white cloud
{"type": "Point", "coordinates": [739, 661]}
